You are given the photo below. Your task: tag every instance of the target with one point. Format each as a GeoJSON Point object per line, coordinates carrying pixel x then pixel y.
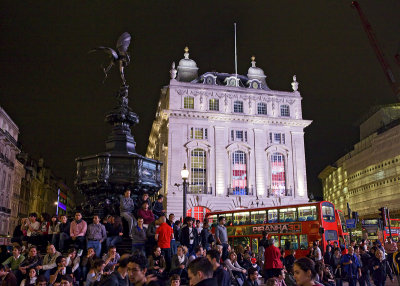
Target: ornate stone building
{"type": "Point", "coordinates": [368, 177]}
{"type": "Point", "coordinates": [242, 142]}
{"type": "Point", "coordinates": [8, 150]}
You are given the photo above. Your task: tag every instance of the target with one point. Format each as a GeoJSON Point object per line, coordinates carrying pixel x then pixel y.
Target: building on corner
{"type": "Point", "coordinates": [242, 142]}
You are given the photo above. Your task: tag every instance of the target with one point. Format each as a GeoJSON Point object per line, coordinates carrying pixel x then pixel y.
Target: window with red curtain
{"type": "Point", "coordinates": [278, 178]}
{"type": "Point", "coordinates": [198, 213]}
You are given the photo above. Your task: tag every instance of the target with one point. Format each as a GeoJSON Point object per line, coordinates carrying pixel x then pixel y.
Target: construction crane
{"type": "Point", "coordinates": [387, 70]}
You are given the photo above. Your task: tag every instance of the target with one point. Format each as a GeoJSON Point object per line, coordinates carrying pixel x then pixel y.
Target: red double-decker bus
{"type": "Point", "coordinates": [292, 226]}
{"type": "Point", "coordinates": [343, 234]}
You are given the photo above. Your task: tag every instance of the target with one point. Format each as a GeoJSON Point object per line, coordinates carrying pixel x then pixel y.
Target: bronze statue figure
{"type": "Point", "coordinates": [120, 55]}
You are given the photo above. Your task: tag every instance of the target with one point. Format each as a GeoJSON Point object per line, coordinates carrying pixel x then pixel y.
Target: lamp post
{"type": "Point", "coordinates": [185, 176]}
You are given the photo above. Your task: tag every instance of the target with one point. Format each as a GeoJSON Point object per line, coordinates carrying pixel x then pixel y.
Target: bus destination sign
{"type": "Point", "coordinates": [269, 228]}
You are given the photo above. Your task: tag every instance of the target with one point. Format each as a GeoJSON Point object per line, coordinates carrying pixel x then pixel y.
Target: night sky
{"type": "Point", "coordinates": [52, 88]}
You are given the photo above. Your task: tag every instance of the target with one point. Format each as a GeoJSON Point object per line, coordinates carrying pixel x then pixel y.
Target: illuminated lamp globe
{"type": "Point", "coordinates": [184, 173]}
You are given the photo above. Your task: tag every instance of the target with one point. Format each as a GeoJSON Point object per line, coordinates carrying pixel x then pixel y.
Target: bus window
{"type": "Point", "coordinates": [343, 222]}
{"type": "Point", "coordinates": [287, 215]}
{"type": "Point", "coordinates": [241, 218]}
{"type": "Point", "coordinates": [331, 235]}
{"type": "Point", "coordinates": [289, 242]}
{"type": "Point", "coordinates": [243, 241]}
{"type": "Point", "coordinates": [328, 212]}
{"type": "Point", "coordinates": [272, 216]}
{"type": "Point", "coordinates": [254, 245]}
{"type": "Point", "coordinates": [258, 217]}
{"type": "Point", "coordinates": [213, 220]}
{"type": "Point", "coordinates": [307, 213]}
{"type": "Point", "coordinates": [276, 239]}
{"type": "Point", "coordinates": [303, 241]}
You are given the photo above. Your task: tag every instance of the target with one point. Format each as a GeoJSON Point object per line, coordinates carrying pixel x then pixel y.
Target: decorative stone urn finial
{"type": "Point", "coordinates": [173, 71]}
{"type": "Point", "coordinates": [295, 84]}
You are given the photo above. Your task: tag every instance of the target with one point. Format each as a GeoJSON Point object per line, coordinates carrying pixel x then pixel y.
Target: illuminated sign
{"type": "Point", "coordinates": [269, 228]}
{"type": "Point", "coordinates": [62, 206]}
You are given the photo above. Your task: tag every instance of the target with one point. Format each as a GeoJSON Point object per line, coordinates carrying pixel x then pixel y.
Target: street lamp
{"type": "Point", "coordinates": [185, 176]}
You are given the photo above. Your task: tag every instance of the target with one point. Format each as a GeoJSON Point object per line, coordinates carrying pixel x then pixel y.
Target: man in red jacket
{"type": "Point", "coordinates": [273, 263]}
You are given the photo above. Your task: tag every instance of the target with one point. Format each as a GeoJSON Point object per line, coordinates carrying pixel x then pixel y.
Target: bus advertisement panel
{"type": "Point", "coordinates": [293, 227]}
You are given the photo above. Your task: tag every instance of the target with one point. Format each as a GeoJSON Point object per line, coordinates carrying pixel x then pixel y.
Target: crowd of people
{"type": "Point", "coordinates": [164, 251]}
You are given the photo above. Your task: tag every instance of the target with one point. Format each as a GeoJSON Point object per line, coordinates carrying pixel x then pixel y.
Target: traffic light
{"type": "Point", "coordinates": [382, 212]}
{"type": "Point", "coordinates": [355, 216]}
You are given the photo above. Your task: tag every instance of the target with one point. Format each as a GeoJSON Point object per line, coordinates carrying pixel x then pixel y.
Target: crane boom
{"type": "Point", "coordinates": [387, 70]}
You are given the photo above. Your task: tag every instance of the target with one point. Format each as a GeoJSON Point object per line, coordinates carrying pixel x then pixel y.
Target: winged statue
{"type": "Point", "coordinates": [120, 55]}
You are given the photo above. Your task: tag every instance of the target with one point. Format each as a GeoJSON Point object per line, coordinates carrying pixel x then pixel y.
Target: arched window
{"type": "Point", "coordinates": [188, 102]}
{"type": "Point", "coordinates": [198, 172]}
{"type": "Point", "coordinates": [239, 173]}
{"type": "Point", "coordinates": [285, 111]}
{"type": "Point", "coordinates": [198, 213]}
{"type": "Point", "coordinates": [262, 108]}
{"type": "Point", "coordinates": [238, 106]}
{"type": "Point", "coordinates": [278, 179]}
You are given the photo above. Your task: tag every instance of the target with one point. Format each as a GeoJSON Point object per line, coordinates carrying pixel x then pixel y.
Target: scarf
{"type": "Point", "coordinates": [181, 259]}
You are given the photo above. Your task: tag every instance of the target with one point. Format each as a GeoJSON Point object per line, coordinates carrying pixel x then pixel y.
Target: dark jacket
{"type": "Point", "coordinates": [248, 282]}
{"type": "Point", "coordinates": [383, 269]}
{"type": "Point", "coordinates": [64, 227]}
{"type": "Point", "coordinates": [185, 239]}
{"type": "Point", "coordinates": [222, 276]}
{"type": "Point", "coordinates": [205, 237]}
{"type": "Point", "coordinates": [158, 209]}
{"type": "Point", "coordinates": [175, 262]}
{"type": "Point", "coordinates": [177, 232]}
{"type": "Point", "coordinates": [208, 282]}
{"type": "Point", "coordinates": [115, 279]}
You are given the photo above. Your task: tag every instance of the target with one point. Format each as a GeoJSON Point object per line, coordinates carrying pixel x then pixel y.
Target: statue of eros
{"type": "Point", "coordinates": [120, 55]}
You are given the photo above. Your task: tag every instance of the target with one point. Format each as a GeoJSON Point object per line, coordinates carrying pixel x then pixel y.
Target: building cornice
{"type": "Point", "coordinates": [237, 118]}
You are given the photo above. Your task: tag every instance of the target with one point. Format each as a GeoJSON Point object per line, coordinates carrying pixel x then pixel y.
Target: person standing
{"type": "Point", "coordinates": [158, 208]}
{"type": "Point", "coordinates": [380, 269]}
{"type": "Point", "coordinates": [273, 262]}
{"type": "Point", "coordinates": [139, 237]}
{"type": "Point", "coordinates": [221, 236]}
{"type": "Point", "coordinates": [365, 260]}
{"type": "Point", "coordinates": [77, 231]}
{"type": "Point", "coordinates": [396, 262]}
{"type": "Point", "coordinates": [164, 235]}
{"type": "Point", "coordinates": [189, 236]}
{"type": "Point", "coordinates": [352, 266]}
{"type": "Point", "coordinates": [171, 223]}
{"type": "Point", "coordinates": [390, 249]}
{"type": "Point", "coordinates": [206, 237]}
{"type": "Point", "coordinates": [96, 234]}
{"type": "Point", "coordinates": [220, 274]}
{"type": "Point", "coordinates": [126, 208]}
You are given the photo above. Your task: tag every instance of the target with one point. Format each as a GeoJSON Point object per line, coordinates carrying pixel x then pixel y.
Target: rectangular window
{"type": "Point", "coordinates": [308, 213]}
{"type": "Point", "coordinates": [238, 106]}
{"type": "Point", "coordinates": [258, 217]}
{"type": "Point", "coordinates": [328, 212]}
{"type": "Point", "coordinates": [289, 242]}
{"type": "Point", "coordinates": [287, 215]}
{"type": "Point", "coordinates": [270, 137]}
{"type": "Point", "coordinates": [188, 102]}
{"type": "Point", "coordinates": [198, 133]}
{"type": "Point", "coordinates": [303, 241]}
{"type": "Point", "coordinates": [331, 235]}
{"type": "Point", "coordinates": [262, 108]}
{"type": "Point", "coordinates": [276, 239]}
{"type": "Point", "coordinates": [239, 135]}
{"type": "Point", "coordinates": [277, 138]}
{"type": "Point", "coordinates": [213, 104]}
{"type": "Point", "coordinates": [272, 216]}
{"type": "Point", "coordinates": [241, 218]}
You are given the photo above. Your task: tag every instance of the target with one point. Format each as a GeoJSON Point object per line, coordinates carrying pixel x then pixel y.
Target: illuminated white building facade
{"type": "Point", "coordinates": [8, 150]}
{"type": "Point", "coordinates": [242, 143]}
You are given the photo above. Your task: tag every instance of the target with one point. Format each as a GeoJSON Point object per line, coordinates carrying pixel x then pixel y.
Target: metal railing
{"type": "Point", "coordinates": [240, 191]}
{"type": "Point", "coordinates": [202, 190]}
{"type": "Point", "coordinates": [286, 193]}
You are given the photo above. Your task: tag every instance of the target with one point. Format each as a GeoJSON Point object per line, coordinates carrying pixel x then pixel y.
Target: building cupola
{"type": "Point", "coordinates": [187, 68]}
{"type": "Point", "coordinates": [256, 73]}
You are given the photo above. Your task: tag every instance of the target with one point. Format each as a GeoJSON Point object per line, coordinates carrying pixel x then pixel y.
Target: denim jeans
{"type": "Point", "coordinates": [96, 246]}
{"type": "Point", "coordinates": [63, 238]}
{"type": "Point", "coordinates": [140, 248]}
{"type": "Point", "coordinates": [174, 247]}
{"type": "Point", "coordinates": [130, 219]}
{"type": "Point", "coordinates": [113, 241]}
